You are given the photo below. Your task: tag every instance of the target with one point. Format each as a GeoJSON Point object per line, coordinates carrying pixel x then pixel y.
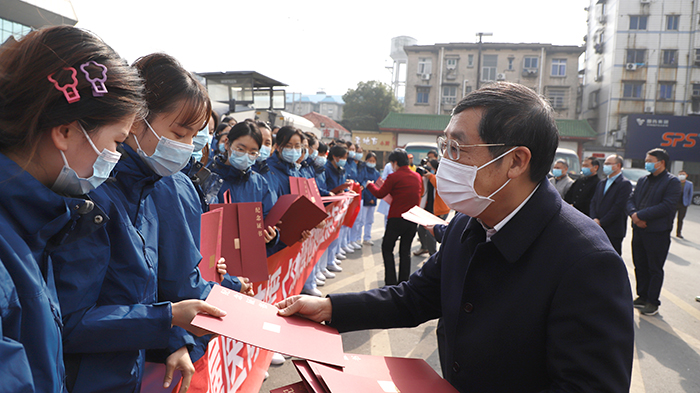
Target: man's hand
{"type": "Point", "coordinates": [636, 221]}
{"type": "Point", "coordinates": [430, 229]}
{"type": "Point", "coordinates": [310, 307]}
{"type": "Point", "coordinates": [597, 221]}
{"type": "Point", "coordinates": [179, 360]}
{"type": "Point", "coordinates": [186, 310]}
{"type": "Point", "coordinates": [246, 286]}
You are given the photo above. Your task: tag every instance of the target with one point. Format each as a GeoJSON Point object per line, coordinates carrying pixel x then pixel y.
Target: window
{"type": "Point", "coordinates": [593, 99]}
{"type": "Point", "coordinates": [488, 70]}
{"type": "Point", "coordinates": [638, 22]}
{"type": "Point", "coordinates": [672, 22]}
{"type": "Point", "coordinates": [531, 63]}
{"type": "Point", "coordinates": [696, 89]}
{"type": "Point", "coordinates": [422, 95]}
{"type": "Point", "coordinates": [665, 91]}
{"type": "Point", "coordinates": [697, 56]}
{"type": "Point", "coordinates": [558, 67]}
{"type": "Point", "coordinates": [599, 71]}
{"type": "Point", "coordinates": [470, 61]}
{"type": "Point", "coordinates": [451, 63]}
{"type": "Point", "coordinates": [632, 89]}
{"type": "Point", "coordinates": [449, 95]}
{"type": "Point", "coordinates": [670, 57]}
{"type": "Point", "coordinates": [425, 65]}
{"type": "Point", "coordinates": [510, 63]}
{"type": "Point", "coordinates": [636, 55]}
{"type": "Point", "coordinates": [9, 28]}
{"type": "Point", "coordinates": [468, 89]}
{"type": "Point", "coordinates": [557, 97]}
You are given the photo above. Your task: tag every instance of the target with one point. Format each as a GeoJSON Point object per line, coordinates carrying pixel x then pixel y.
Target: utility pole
{"type": "Point", "coordinates": [478, 62]}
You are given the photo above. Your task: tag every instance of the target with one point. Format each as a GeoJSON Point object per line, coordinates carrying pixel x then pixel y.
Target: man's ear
{"type": "Point", "coordinates": [60, 136]}
{"type": "Point", "coordinates": [520, 163]}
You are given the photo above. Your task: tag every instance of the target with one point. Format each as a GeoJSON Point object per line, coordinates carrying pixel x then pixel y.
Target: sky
{"type": "Point", "coordinates": [317, 45]}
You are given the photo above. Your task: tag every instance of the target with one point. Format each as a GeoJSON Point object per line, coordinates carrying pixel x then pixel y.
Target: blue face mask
{"type": "Point", "coordinates": [264, 154]}
{"type": "Point", "coordinates": [556, 172]}
{"type": "Point", "coordinates": [69, 183]}
{"type": "Point", "coordinates": [291, 155]}
{"type": "Point", "coordinates": [650, 167]}
{"type": "Point", "coordinates": [222, 148]}
{"type": "Point", "coordinates": [306, 155]}
{"type": "Point", "coordinates": [342, 162]}
{"type": "Point", "coordinates": [586, 171]}
{"type": "Point", "coordinates": [240, 160]}
{"type": "Point", "coordinates": [607, 169]}
{"type": "Point", "coordinates": [200, 140]}
{"type": "Point", "coordinates": [351, 155]}
{"type": "Point", "coordinates": [197, 155]}
{"type": "Point", "coordinates": [320, 161]}
{"type": "Point", "coordinates": [314, 155]}
{"type": "Point", "coordinates": [371, 164]}
{"type": "Point", "coordinates": [168, 158]}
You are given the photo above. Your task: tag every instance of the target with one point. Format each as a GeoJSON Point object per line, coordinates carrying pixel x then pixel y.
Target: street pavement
{"type": "Point", "coordinates": [667, 350]}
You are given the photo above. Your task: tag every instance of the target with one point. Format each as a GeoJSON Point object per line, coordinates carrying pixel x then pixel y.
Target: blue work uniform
{"type": "Point", "coordinates": [34, 221]}
{"type": "Point", "coordinates": [368, 174]}
{"type": "Point", "coordinates": [334, 176]}
{"type": "Point", "coordinates": [320, 176]}
{"type": "Point", "coordinates": [351, 169]}
{"type": "Point", "coordinates": [307, 169]}
{"type": "Point", "coordinates": [280, 172]}
{"type": "Point", "coordinates": [244, 186]}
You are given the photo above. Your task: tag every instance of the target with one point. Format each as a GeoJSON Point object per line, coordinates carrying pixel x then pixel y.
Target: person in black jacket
{"type": "Point", "coordinates": [530, 294]}
{"type": "Point", "coordinates": [652, 207]}
{"type": "Point", "coordinates": [581, 192]}
{"type": "Point", "coordinates": [610, 200]}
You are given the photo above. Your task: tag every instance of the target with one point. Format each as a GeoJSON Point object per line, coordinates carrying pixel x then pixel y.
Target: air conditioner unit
{"type": "Point", "coordinates": [501, 77]}
{"type": "Point", "coordinates": [645, 1]}
{"type": "Point", "coordinates": [451, 66]}
{"type": "Point", "coordinates": [598, 78]}
{"type": "Point", "coordinates": [425, 77]}
{"type": "Point", "coordinates": [648, 109]}
{"type": "Point", "coordinates": [631, 66]}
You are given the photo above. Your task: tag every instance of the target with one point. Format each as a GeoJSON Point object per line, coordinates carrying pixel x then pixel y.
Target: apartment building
{"type": "Point", "coordinates": [440, 75]}
{"type": "Point", "coordinates": [642, 57]}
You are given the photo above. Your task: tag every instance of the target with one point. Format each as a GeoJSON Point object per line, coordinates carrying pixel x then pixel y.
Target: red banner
{"type": "Point", "coordinates": [232, 366]}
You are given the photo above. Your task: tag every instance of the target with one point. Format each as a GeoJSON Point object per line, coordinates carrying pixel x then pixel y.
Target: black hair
{"type": "Point", "coordinates": [226, 119]}
{"type": "Point", "coordinates": [311, 138]}
{"type": "Point", "coordinates": [220, 128]}
{"type": "Point", "coordinates": [339, 151]}
{"type": "Point", "coordinates": [660, 154]}
{"type": "Point", "coordinates": [322, 147]}
{"type": "Point", "coordinates": [433, 152]}
{"type": "Point", "coordinates": [285, 134]}
{"type": "Point", "coordinates": [399, 156]}
{"type": "Point", "coordinates": [245, 128]}
{"type": "Point", "coordinates": [434, 163]}
{"type": "Point", "coordinates": [594, 161]}
{"type": "Point", "coordinates": [215, 116]}
{"type": "Point", "coordinates": [515, 115]}
{"type": "Point", "coordinates": [370, 155]}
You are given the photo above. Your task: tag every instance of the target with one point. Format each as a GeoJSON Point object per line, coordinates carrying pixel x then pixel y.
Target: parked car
{"type": "Point", "coordinates": [634, 174]}
{"type": "Point", "coordinates": [696, 198]}
{"type": "Point", "coordinates": [571, 159]}
{"type": "Point", "coordinates": [420, 150]}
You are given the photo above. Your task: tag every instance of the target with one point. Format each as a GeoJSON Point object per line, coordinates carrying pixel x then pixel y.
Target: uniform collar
{"type": "Point", "coordinates": [228, 172]}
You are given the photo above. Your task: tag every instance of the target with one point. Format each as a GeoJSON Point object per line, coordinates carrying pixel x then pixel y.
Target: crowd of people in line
{"type": "Point", "coordinates": [107, 168]}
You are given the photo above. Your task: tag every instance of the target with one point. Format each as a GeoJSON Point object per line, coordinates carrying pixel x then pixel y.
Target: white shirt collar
{"type": "Point", "coordinates": [492, 231]}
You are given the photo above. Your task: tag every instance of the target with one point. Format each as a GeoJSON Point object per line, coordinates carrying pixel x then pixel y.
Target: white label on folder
{"type": "Point", "coordinates": [271, 327]}
{"type": "Point", "coordinates": [388, 387]}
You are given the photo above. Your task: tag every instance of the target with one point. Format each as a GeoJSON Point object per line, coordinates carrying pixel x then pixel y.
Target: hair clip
{"type": "Point", "coordinates": [69, 90]}
{"type": "Point", "coordinates": [98, 84]}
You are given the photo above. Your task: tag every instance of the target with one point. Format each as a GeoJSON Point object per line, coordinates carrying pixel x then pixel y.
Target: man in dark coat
{"type": "Point", "coordinates": [608, 206]}
{"type": "Point", "coordinates": [652, 207]}
{"type": "Point", "coordinates": [530, 293]}
{"type": "Point", "coordinates": [581, 192]}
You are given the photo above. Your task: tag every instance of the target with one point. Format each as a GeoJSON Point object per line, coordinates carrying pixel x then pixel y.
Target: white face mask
{"type": "Point", "coordinates": [170, 156]}
{"type": "Point", "coordinates": [69, 183]}
{"type": "Point", "coordinates": [455, 184]}
{"type": "Point", "coordinates": [682, 177]}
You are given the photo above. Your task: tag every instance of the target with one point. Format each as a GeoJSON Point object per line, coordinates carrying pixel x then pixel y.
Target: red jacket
{"type": "Point", "coordinates": [404, 186]}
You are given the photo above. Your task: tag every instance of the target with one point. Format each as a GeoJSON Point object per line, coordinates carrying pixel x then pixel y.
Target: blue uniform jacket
{"type": "Point", "coordinates": [573, 333]}
{"type": "Point", "coordinates": [609, 207]}
{"type": "Point", "coordinates": [307, 169]}
{"type": "Point", "coordinates": [108, 287]}
{"type": "Point", "coordinates": [280, 172]}
{"type": "Point", "coordinates": [661, 208]}
{"type": "Point", "coordinates": [368, 174]}
{"type": "Point", "coordinates": [320, 176]}
{"type": "Point", "coordinates": [34, 221]}
{"type": "Point", "coordinates": [334, 176]}
{"type": "Point", "coordinates": [245, 186]}
{"type": "Point", "coordinates": [351, 169]}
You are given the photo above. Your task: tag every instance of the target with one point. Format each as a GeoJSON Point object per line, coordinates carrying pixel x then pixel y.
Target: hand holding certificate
{"type": "Point", "coordinates": [422, 217]}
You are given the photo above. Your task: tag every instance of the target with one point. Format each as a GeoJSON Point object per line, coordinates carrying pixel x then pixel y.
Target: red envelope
{"type": "Point", "coordinates": [210, 243]}
{"type": "Point", "coordinates": [298, 387]}
{"type": "Point", "coordinates": [297, 214]}
{"type": "Point", "coordinates": [311, 382]}
{"type": "Point", "coordinates": [388, 198]}
{"type": "Point", "coordinates": [257, 323]}
{"type": "Point", "coordinates": [243, 241]}
{"type": "Point", "coordinates": [377, 374]}
{"type": "Point", "coordinates": [354, 208]}
{"type": "Point", "coordinates": [306, 187]}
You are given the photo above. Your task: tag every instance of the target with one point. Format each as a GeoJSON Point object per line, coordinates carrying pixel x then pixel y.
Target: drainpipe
{"type": "Point", "coordinates": [439, 93]}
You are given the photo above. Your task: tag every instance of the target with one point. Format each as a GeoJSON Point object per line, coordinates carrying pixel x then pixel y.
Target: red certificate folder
{"type": "Point", "coordinates": [388, 198]}
{"type": "Point", "coordinates": [242, 240]}
{"type": "Point", "coordinates": [298, 387]}
{"type": "Point", "coordinates": [340, 188]}
{"type": "Point", "coordinates": [257, 323]}
{"type": "Point", "coordinates": [376, 374]}
{"type": "Point", "coordinates": [310, 380]}
{"type": "Point", "coordinates": [354, 208]}
{"type": "Point", "coordinates": [297, 214]}
{"type": "Point", "coordinates": [306, 187]}
{"type": "Point", "coordinates": [210, 243]}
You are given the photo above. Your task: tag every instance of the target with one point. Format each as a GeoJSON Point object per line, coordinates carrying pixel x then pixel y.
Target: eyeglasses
{"type": "Point", "coordinates": [240, 152]}
{"type": "Point", "coordinates": [450, 148]}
